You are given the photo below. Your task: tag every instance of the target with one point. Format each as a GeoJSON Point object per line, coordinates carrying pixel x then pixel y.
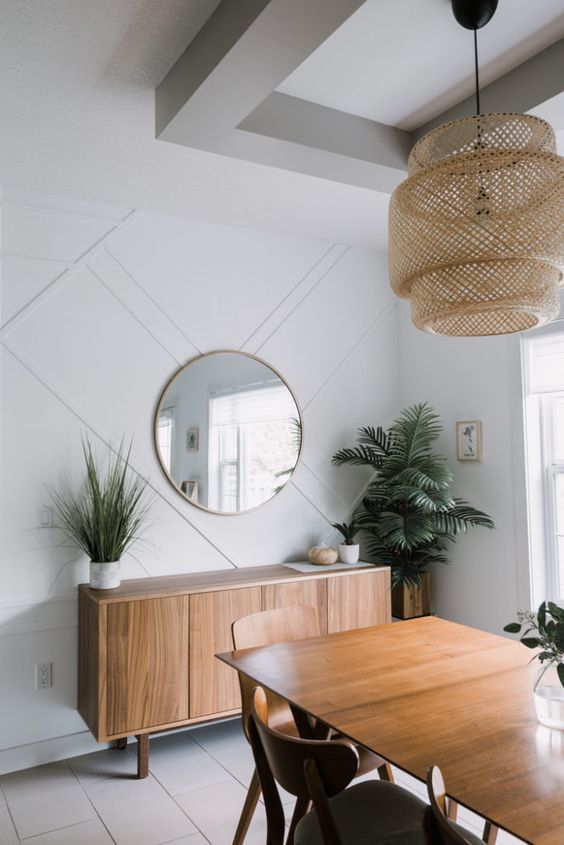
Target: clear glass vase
{"type": "Point", "coordinates": [549, 697]}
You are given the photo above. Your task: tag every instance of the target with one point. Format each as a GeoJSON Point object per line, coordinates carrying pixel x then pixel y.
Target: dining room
{"type": "Point", "coordinates": [282, 422]}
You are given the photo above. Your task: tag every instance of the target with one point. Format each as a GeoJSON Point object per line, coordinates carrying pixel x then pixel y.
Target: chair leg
{"type": "Point", "coordinates": [490, 833]}
{"type": "Point", "coordinates": [385, 772]}
{"type": "Point", "coordinates": [248, 809]}
{"type": "Point", "coordinates": [452, 810]}
{"type": "Point", "coordinates": [302, 807]}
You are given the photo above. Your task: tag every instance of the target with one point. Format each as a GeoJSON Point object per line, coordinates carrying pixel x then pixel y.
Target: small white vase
{"type": "Point", "coordinates": [104, 576]}
{"type": "Point", "coordinates": [349, 554]}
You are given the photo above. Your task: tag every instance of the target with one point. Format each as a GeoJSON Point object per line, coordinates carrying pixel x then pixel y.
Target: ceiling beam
{"type": "Point", "coordinates": [220, 96]}
{"type": "Point", "coordinates": [535, 86]}
{"type": "Point", "coordinates": [244, 51]}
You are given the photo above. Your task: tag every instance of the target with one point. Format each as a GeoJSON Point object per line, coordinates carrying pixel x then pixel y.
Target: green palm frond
{"type": "Point", "coordinates": [358, 456]}
{"type": "Point", "coordinates": [376, 438]}
{"type": "Point", "coordinates": [460, 518]}
{"type": "Point", "coordinates": [413, 432]}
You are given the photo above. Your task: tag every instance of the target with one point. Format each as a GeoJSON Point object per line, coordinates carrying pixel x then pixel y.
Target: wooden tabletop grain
{"type": "Point", "coordinates": [427, 692]}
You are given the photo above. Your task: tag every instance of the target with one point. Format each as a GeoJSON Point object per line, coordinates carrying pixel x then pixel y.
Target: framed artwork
{"type": "Point", "coordinates": [469, 440]}
{"type": "Point", "coordinates": [192, 439]}
{"type": "Point", "coordinates": [191, 490]}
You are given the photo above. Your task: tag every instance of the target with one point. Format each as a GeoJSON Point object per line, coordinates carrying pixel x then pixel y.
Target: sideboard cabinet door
{"type": "Point", "coordinates": [358, 601]}
{"type": "Point", "coordinates": [147, 659]}
{"type": "Point", "coordinates": [214, 687]}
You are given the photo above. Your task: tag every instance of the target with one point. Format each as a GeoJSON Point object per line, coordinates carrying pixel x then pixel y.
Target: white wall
{"type": "Point", "coordinates": [476, 378]}
{"type": "Point", "coordinates": [99, 307]}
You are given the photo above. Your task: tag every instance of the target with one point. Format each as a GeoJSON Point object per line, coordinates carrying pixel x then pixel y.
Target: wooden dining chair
{"type": "Point", "coordinates": [285, 624]}
{"type": "Point", "coordinates": [439, 828]}
{"type": "Point", "coordinates": [373, 811]}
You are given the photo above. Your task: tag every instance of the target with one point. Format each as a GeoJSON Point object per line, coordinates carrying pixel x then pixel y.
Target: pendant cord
{"type": "Point", "coordinates": [477, 73]}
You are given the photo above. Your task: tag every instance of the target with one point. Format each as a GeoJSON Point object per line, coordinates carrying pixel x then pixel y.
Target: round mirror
{"type": "Point", "coordinates": [228, 432]}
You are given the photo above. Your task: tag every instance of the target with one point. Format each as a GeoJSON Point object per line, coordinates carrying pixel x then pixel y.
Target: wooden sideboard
{"type": "Point", "coordinates": [147, 649]}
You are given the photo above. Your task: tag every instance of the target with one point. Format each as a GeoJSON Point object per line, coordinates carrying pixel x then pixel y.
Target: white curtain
{"type": "Point", "coordinates": [545, 363]}
{"type": "Point", "coordinates": [262, 403]}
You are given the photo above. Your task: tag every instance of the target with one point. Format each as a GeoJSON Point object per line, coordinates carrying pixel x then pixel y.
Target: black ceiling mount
{"type": "Point", "coordinates": [474, 14]}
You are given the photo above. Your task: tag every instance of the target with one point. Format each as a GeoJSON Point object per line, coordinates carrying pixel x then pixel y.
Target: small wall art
{"type": "Point", "coordinates": [192, 439]}
{"type": "Point", "coordinates": [469, 440]}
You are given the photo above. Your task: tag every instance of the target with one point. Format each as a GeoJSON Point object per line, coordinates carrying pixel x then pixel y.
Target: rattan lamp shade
{"type": "Point", "coordinates": [477, 229]}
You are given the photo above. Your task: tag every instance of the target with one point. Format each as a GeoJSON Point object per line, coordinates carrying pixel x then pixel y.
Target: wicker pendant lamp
{"type": "Point", "coordinates": [476, 231]}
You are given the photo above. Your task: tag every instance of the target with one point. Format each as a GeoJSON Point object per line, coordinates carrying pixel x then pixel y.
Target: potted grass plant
{"type": "Point", "coordinates": [106, 516]}
{"type": "Point", "coordinates": [349, 550]}
{"type": "Point", "coordinates": [408, 513]}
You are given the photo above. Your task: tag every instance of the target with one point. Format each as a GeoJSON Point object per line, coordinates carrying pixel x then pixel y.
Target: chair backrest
{"type": "Point", "coordinates": [438, 827]}
{"type": "Point", "coordinates": [280, 625]}
{"type": "Point", "coordinates": [308, 769]}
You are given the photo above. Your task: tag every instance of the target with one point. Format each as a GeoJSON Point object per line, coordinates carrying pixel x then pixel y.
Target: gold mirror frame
{"type": "Point", "coordinates": [159, 408]}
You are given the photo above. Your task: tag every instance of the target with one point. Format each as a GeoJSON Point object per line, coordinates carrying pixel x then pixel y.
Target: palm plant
{"type": "Point", "coordinates": [107, 515]}
{"type": "Point", "coordinates": [408, 513]}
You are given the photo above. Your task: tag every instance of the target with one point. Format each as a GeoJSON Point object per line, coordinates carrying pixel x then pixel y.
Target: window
{"type": "Point", "coordinates": [251, 445]}
{"type": "Point", "coordinates": [165, 436]}
{"type": "Point", "coordinates": [544, 411]}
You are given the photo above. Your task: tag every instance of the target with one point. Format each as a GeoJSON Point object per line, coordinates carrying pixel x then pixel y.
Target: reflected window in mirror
{"type": "Point", "coordinates": [165, 437]}
{"type": "Point", "coordinates": [228, 426]}
{"type": "Point", "coordinates": [253, 441]}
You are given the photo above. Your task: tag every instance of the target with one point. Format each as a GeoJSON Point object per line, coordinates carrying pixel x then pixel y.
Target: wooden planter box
{"type": "Point", "coordinates": [409, 601]}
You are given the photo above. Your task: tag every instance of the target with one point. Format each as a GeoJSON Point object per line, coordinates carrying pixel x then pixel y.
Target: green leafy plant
{"type": "Point", "coordinates": [296, 440]}
{"type": "Point", "coordinates": [348, 530]}
{"type": "Point", "coordinates": [107, 515]}
{"type": "Point", "coordinates": [408, 513]}
{"type": "Point", "coordinates": [543, 630]}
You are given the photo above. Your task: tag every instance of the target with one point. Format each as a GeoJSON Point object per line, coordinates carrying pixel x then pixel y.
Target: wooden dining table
{"type": "Point", "coordinates": [427, 691]}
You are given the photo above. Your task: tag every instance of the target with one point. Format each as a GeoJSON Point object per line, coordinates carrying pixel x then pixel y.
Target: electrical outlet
{"type": "Point", "coordinates": [43, 675]}
{"type": "Point", "coordinates": [43, 516]}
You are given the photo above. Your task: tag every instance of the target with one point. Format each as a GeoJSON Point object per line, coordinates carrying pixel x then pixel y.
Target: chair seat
{"type": "Point", "coordinates": [373, 813]}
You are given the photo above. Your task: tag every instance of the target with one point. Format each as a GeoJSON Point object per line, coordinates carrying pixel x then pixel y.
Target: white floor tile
{"type": "Point", "coordinates": [220, 734]}
{"type": "Point", "coordinates": [180, 764]}
{"type": "Point", "coordinates": [86, 833]}
{"type": "Point", "coordinates": [102, 765]}
{"type": "Point", "coordinates": [193, 839]}
{"type": "Point", "coordinates": [45, 798]}
{"type": "Point", "coordinates": [138, 812]}
{"type": "Point", "coordinates": [216, 810]}
{"type": "Point", "coordinates": [8, 834]}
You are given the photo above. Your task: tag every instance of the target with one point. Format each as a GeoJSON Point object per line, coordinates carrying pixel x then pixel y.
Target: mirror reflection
{"type": "Point", "coordinates": [228, 432]}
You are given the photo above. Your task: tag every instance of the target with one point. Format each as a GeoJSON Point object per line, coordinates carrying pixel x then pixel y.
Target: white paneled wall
{"type": "Point", "coordinates": [99, 306]}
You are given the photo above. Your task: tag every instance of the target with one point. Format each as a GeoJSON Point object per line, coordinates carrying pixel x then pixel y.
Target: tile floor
{"type": "Point", "coordinates": [193, 795]}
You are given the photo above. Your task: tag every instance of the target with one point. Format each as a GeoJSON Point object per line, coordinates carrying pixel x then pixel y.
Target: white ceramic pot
{"type": "Point", "coordinates": [105, 576]}
{"type": "Point", "coordinates": [349, 554]}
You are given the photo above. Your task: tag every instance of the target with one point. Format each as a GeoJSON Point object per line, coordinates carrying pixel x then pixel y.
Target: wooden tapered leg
{"type": "Point", "coordinates": [121, 743]}
{"type": "Point", "coordinates": [490, 833]}
{"type": "Point", "coordinates": [143, 756]}
{"type": "Point", "coordinates": [248, 809]}
{"type": "Point", "coordinates": [302, 807]}
{"type": "Point", "coordinates": [385, 772]}
{"type": "Point", "coordinates": [452, 810]}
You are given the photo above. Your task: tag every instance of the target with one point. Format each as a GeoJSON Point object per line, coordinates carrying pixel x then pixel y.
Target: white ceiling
{"type": "Point", "coordinates": [77, 107]}
{"type": "Point", "coordinates": [403, 62]}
